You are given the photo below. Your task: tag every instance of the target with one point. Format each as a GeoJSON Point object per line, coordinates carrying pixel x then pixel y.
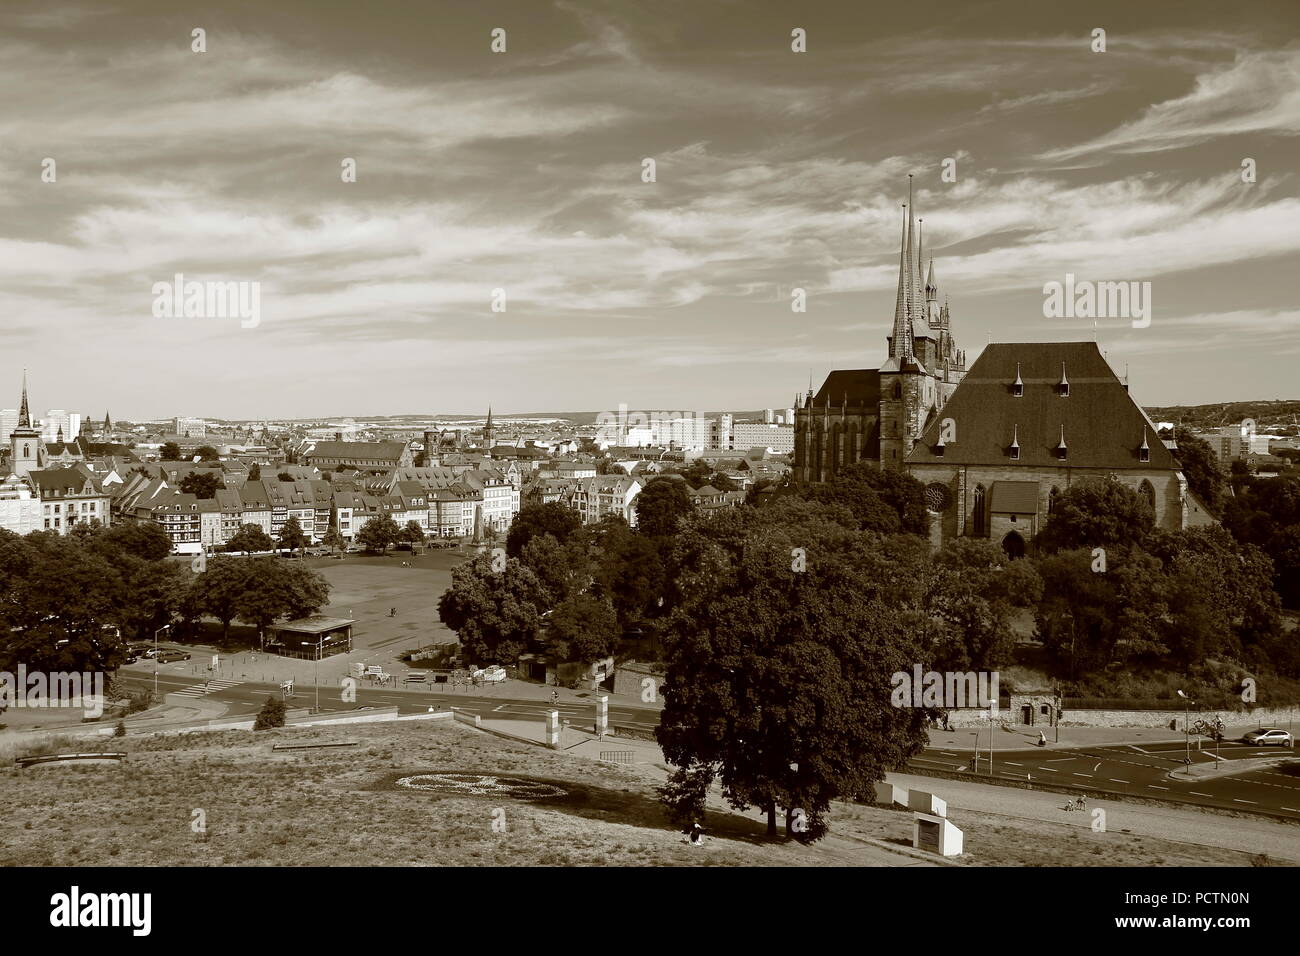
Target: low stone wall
{"type": "Point", "coordinates": [975, 717]}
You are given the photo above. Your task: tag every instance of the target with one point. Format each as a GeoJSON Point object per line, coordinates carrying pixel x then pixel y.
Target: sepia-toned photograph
{"type": "Point", "coordinates": [601, 434]}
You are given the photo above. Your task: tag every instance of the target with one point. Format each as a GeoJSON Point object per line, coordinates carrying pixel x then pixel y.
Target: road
{"type": "Point", "coordinates": [1152, 770]}
{"type": "Point", "coordinates": [248, 697]}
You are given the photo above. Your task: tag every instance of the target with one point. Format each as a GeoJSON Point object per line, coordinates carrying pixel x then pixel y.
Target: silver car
{"type": "Point", "coordinates": [1268, 735]}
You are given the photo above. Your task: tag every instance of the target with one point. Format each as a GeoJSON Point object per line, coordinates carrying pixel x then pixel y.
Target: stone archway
{"type": "Point", "coordinates": [1014, 545]}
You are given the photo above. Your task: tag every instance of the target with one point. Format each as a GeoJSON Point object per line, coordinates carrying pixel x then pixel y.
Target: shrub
{"type": "Point", "coordinates": [271, 715]}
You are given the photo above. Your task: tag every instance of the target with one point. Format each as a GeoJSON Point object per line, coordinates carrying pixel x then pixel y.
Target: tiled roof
{"type": "Point", "coordinates": [1103, 426]}
{"type": "Point", "coordinates": [1014, 497]}
{"type": "Point", "coordinates": [860, 386]}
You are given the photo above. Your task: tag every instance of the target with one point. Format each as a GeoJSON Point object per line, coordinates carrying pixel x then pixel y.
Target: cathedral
{"type": "Point", "coordinates": [994, 445]}
{"type": "Point", "coordinates": [878, 414]}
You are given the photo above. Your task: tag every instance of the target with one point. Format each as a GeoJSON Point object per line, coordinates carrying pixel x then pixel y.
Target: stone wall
{"type": "Point", "coordinates": [1264, 717]}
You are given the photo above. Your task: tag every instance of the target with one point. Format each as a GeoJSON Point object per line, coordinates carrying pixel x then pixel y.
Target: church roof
{"type": "Point", "coordinates": [1014, 497]}
{"type": "Point", "coordinates": [1102, 425]}
{"type": "Point", "coordinates": [860, 385]}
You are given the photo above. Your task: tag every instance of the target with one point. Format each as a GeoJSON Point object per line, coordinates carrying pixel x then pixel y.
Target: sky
{"type": "Point", "coordinates": [522, 171]}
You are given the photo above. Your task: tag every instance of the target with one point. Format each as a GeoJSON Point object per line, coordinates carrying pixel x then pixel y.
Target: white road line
{"type": "Point", "coordinates": [1137, 748]}
{"type": "Point", "coordinates": [1058, 759]}
{"type": "Point", "coordinates": [1077, 774]}
{"type": "Point", "coordinates": [1239, 800]}
{"type": "Point", "coordinates": [1292, 809]}
{"type": "Point", "coordinates": [1113, 780]}
{"type": "Point", "coordinates": [1154, 787]}
{"type": "Point", "coordinates": [1096, 768]}
{"type": "Point", "coordinates": [1012, 764]}
{"type": "Point", "coordinates": [947, 754]}
{"type": "Point", "coordinates": [1197, 793]}
{"type": "Point", "coordinates": [499, 707]}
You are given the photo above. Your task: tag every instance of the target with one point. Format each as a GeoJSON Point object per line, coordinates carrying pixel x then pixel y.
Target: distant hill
{"type": "Point", "coordinates": [1280, 415]}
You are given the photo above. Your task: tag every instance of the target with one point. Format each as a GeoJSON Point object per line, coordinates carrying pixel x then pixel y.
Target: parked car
{"type": "Point", "coordinates": [490, 675]}
{"type": "Point", "coordinates": [1268, 735]}
{"type": "Point", "coordinates": [170, 657]}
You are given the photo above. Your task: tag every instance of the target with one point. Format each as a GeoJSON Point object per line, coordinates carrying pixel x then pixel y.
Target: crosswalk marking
{"type": "Point", "coordinates": [211, 687]}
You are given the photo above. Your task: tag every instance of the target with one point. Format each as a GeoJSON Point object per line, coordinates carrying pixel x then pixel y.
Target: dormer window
{"type": "Point", "coordinates": [1144, 450]}
{"type": "Point", "coordinates": [1015, 441]}
{"type": "Point", "coordinates": [1018, 387]}
{"type": "Point", "coordinates": [1064, 385]}
{"type": "Point", "coordinates": [1061, 450]}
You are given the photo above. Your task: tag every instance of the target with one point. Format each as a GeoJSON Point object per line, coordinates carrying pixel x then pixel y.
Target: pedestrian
{"type": "Point", "coordinates": [697, 835]}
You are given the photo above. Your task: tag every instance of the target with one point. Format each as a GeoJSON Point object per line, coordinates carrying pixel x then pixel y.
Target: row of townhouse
{"type": "Point", "coordinates": [443, 503]}
{"type": "Point", "coordinates": [53, 499]}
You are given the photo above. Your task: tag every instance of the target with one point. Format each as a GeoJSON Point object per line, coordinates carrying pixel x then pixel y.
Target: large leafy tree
{"type": "Point", "coordinates": [142, 539]}
{"type": "Point", "coordinates": [778, 680]}
{"type": "Point", "coordinates": [887, 500]}
{"type": "Point", "coordinates": [1096, 513]}
{"type": "Point", "coordinates": [1266, 513]}
{"type": "Point", "coordinates": [976, 590]}
{"type": "Point", "coordinates": [59, 601]}
{"type": "Point", "coordinates": [202, 484]}
{"type": "Point", "coordinates": [291, 536]}
{"type": "Point", "coordinates": [1200, 467]}
{"type": "Point", "coordinates": [250, 537]}
{"type": "Point", "coordinates": [170, 451]}
{"type": "Point", "coordinates": [494, 613]}
{"type": "Point", "coordinates": [1088, 619]}
{"type": "Point", "coordinates": [660, 505]}
{"type": "Point", "coordinates": [582, 628]}
{"type": "Point", "coordinates": [219, 590]}
{"type": "Point", "coordinates": [535, 520]}
{"type": "Point", "coordinates": [379, 533]}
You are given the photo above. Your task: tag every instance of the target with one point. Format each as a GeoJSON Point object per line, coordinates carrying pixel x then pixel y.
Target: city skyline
{"type": "Point", "coordinates": [522, 170]}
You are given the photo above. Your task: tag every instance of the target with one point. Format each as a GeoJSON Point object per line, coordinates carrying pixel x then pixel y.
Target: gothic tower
{"type": "Point", "coordinates": [25, 441]}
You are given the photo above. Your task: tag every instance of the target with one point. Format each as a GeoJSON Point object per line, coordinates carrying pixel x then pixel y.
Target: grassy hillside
{"type": "Point", "coordinates": [343, 807]}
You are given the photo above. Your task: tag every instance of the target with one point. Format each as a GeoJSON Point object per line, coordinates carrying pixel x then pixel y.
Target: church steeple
{"type": "Point", "coordinates": [900, 342]}
{"type": "Point", "coordinates": [24, 414]}
{"type": "Point", "coordinates": [25, 441]}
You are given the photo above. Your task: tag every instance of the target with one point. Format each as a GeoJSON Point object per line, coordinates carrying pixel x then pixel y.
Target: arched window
{"type": "Point", "coordinates": [1148, 493]}
{"type": "Point", "coordinates": [1052, 497]}
{"type": "Point", "coordinates": [977, 514]}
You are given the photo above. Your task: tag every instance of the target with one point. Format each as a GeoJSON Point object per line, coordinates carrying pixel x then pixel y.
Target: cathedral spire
{"type": "Point", "coordinates": [910, 267]}
{"type": "Point", "coordinates": [900, 343]}
{"type": "Point", "coordinates": [24, 414]}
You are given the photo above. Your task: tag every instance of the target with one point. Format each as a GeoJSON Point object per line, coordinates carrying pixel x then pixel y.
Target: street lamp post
{"type": "Point", "coordinates": [155, 658]}
{"type": "Point", "coordinates": [1187, 730]}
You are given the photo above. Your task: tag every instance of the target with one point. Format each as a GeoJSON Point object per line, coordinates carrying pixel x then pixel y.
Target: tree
{"type": "Point", "coordinates": [333, 539]}
{"type": "Point", "coordinates": [1200, 467]}
{"type": "Point", "coordinates": [208, 453]}
{"type": "Point", "coordinates": [170, 451]}
{"type": "Point", "coordinates": [778, 679]}
{"type": "Point", "coordinates": [494, 613]}
{"type": "Point", "coordinates": [255, 472]}
{"type": "Point", "coordinates": [61, 601]}
{"type": "Point", "coordinates": [975, 590]}
{"type": "Point", "coordinates": [1096, 513]}
{"type": "Point", "coordinates": [421, 459]}
{"type": "Point", "coordinates": [887, 500]}
{"type": "Point", "coordinates": [284, 476]}
{"type": "Point", "coordinates": [561, 569]}
{"type": "Point", "coordinates": [723, 482]}
{"type": "Point", "coordinates": [219, 589]}
{"type": "Point", "coordinates": [202, 484]}
{"type": "Point", "coordinates": [379, 533]}
{"type": "Point", "coordinates": [532, 521]}
{"type": "Point", "coordinates": [271, 715]}
{"type": "Point", "coordinates": [582, 629]}
{"type": "Point", "coordinates": [143, 539]}
{"type": "Point", "coordinates": [291, 536]}
{"type": "Point", "coordinates": [154, 591]}
{"type": "Point", "coordinates": [412, 533]}
{"type": "Point", "coordinates": [250, 537]}
{"type": "Point", "coordinates": [1087, 620]}
{"type": "Point", "coordinates": [660, 505]}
